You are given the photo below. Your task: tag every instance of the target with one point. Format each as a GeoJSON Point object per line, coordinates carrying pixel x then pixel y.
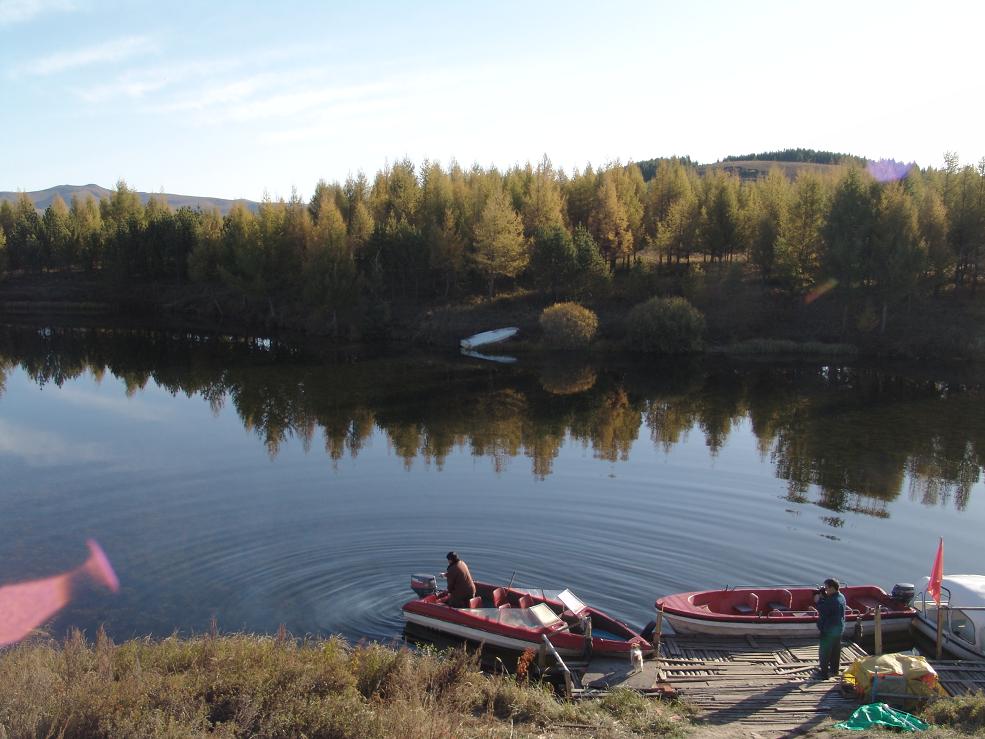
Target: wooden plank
{"type": "Point", "coordinates": [756, 683]}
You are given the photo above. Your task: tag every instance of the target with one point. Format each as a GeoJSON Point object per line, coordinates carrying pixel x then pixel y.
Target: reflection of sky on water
{"type": "Point", "coordinates": [39, 448]}
{"type": "Point", "coordinates": [137, 407]}
{"type": "Point", "coordinates": [200, 520]}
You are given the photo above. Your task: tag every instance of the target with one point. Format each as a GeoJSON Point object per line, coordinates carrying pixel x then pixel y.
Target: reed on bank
{"type": "Point", "coordinates": [249, 685]}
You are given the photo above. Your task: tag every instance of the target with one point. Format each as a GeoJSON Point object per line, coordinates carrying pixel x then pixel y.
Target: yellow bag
{"type": "Point", "coordinates": [898, 673]}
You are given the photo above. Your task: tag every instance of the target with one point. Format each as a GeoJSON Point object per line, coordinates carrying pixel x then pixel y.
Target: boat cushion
{"type": "Point", "coordinates": [525, 601]}
{"type": "Point", "coordinates": [751, 605]}
{"type": "Point", "coordinates": [498, 597]}
{"type": "Point", "coordinates": [781, 600]}
{"type": "Point", "coordinates": [476, 602]}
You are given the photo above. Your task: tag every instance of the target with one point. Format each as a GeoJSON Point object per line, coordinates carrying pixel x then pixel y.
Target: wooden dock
{"type": "Point", "coordinates": [958, 676]}
{"type": "Point", "coordinates": [761, 684]}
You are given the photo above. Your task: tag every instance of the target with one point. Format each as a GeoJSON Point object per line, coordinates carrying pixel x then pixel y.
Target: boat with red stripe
{"type": "Point", "coordinates": [517, 619]}
{"type": "Point", "coordinates": [781, 611]}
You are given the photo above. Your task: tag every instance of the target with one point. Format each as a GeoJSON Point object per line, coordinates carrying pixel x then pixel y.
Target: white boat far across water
{"type": "Point", "coordinates": [489, 337]}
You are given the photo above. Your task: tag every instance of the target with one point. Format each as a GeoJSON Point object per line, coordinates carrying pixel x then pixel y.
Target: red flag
{"type": "Point", "coordinates": [937, 574]}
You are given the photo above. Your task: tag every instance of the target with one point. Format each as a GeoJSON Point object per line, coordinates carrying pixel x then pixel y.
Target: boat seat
{"type": "Point", "coordinates": [476, 602]}
{"type": "Point", "coordinates": [750, 607]}
{"type": "Point", "coordinates": [868, 604]}
{"type": "Point", "coordinates": [504, 606]}
{"type": "Point", "coordinates": [498, 597]}
{"type": "Point", "coordinates": [525, 601]}
{"type": "Point", "coordinates": [781, 600]}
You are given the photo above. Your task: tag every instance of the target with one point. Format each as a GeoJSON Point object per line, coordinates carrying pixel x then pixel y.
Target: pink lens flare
{"type": "Point", "coordinates": [820, 290]}
{"type": "Point", "coordinates": [99, 568]}
{"type": "Point", "coordinates": [26, 606]}
{"type": "Point", "coordinates": [888, 170]}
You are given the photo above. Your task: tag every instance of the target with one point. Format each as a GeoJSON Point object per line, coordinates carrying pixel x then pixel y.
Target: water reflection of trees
{"type": "Point", "coordinates": [847, 439]}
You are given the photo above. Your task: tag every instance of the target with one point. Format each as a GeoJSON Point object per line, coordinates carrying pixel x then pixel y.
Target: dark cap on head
{"type": "Point", "coordinates": [832, 583]}
{"type": "Point", "coordinates": [452, 557]}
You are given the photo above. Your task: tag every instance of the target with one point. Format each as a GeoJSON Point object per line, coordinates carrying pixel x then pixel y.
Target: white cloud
{"type": "Point", "coordinates": [127, 86]}
{"type": "Point", "coordinates": [18, 11]}
{"type": "Point", "coordinates": [328, 119]}
{"type": "Point", "coordinates": [136, 83]}
{"type": "Point", "coordinates": [300, 101]}
{"type": "Point", "coordinates": [109, 51]}
{"type": "Point", "coordinates": [222, 93]}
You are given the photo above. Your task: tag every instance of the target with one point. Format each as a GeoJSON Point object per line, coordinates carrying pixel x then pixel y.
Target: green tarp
{"type": "Point", "coordinates": [879, 714]}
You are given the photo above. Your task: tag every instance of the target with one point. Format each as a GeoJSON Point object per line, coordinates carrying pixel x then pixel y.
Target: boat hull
{"type": "Point", "coordinates": [778, 611]}
{"type": "Point", "coordinates": [950, 646]}
{"type": "Point", "coordinates": [489, 337]}
{"type": "Point", "coordinates": [518, 621]}
{"type": "Point", "coordinates": [502, 641]}
{"type": "Point", "coordinates": [771, 628]}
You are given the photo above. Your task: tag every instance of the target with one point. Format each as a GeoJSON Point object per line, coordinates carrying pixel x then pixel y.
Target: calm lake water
{"type": "Point", "coordinates": [258, 484]}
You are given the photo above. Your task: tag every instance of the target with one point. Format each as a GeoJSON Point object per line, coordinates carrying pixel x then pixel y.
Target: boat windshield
{"type": "Point", "coordinates": [571, 601]}
{"type": "Point", "coordinates": [962, 626]}
{"type": "Point", "coordinates": [536, 617]}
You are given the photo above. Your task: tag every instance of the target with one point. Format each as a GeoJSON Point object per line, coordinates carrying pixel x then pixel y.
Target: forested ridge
{"type": "Point", "coordinates": [430, 235]}
{"type": "Point", "coordinates": [811, 156]}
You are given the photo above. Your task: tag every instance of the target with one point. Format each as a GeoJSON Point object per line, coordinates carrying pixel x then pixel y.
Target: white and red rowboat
{"type": "Point", "coordinates": [516, 619]}
{"type": "Point", "coordinates": [779, 611]}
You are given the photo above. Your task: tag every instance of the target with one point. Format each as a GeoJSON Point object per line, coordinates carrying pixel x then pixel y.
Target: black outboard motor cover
{"type": "Point", "coordinates": [423, 585]}
{"type": "Point", "coordinates": [903, 593]}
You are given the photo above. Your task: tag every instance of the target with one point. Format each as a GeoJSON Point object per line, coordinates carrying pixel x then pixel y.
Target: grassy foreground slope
{"type": "Point", "coordinates": [245, 685]}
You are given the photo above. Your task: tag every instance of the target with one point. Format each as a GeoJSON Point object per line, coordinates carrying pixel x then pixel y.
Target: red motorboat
{"type": "Point", "coordinates": [517, 619]}
{"type": "Point", "coordinates": [781, 611]}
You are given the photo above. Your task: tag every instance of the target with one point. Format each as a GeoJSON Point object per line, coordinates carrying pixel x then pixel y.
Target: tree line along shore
{"type": "Point", "coordinates": [874, 256]}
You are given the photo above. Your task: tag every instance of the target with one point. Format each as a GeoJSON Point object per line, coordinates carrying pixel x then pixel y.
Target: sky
{"type": "Point", "coordinates": [242, 99]}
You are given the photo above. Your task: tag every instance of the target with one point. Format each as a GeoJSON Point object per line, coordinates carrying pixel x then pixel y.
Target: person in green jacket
{"type": "Point", "coordinates": [831, 623]}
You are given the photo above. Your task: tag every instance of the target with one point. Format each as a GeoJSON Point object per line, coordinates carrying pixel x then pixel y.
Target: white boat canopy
{"type": "Point", "coordinates": [966, 590]}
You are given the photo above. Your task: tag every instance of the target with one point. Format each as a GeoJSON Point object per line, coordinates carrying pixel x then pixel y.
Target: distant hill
{"type": "Point", "coordinates": [755, 166]}
{"type": "Point", "coordinates": [802, 156]}
{"type": "Point", "coordinates": [42, 198]}
{"type": "Point", "coordinates": [754, 169]}
{"type": "Point", "coordinates": [788, 161]}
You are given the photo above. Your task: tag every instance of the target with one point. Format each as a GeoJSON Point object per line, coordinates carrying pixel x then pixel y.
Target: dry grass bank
{"type": "Point", "coordinates": [245, 685]}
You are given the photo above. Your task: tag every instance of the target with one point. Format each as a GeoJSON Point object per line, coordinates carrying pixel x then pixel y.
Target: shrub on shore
{"type": "Point", "coordinates": [965, 713]}
{"type": "Point", "coordinates": [245, 685]}
{"type": "Point", "coordinates": [568, 326]}
{"type": "Point", "coordinates": [665, 326]}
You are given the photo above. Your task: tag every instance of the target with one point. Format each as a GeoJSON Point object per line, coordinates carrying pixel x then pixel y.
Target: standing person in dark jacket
{"type": "Point", "coordinates": [831, 623]}
{"type": "Point", "coordinates": [461, 586]}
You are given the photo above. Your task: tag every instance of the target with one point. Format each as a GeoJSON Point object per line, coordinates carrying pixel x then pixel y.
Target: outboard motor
{"type": "Point", "coordinates": [903, 593]}
{"type": "Point", "coordinates": [423, 585]}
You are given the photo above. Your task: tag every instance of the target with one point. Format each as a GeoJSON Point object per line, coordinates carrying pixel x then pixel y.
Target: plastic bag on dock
{"type": "Point", "coordinates": [879, 714]}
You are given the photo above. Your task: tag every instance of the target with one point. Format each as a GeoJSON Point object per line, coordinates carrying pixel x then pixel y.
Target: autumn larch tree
{"type": "Point", "coordinates": [499, 247]}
